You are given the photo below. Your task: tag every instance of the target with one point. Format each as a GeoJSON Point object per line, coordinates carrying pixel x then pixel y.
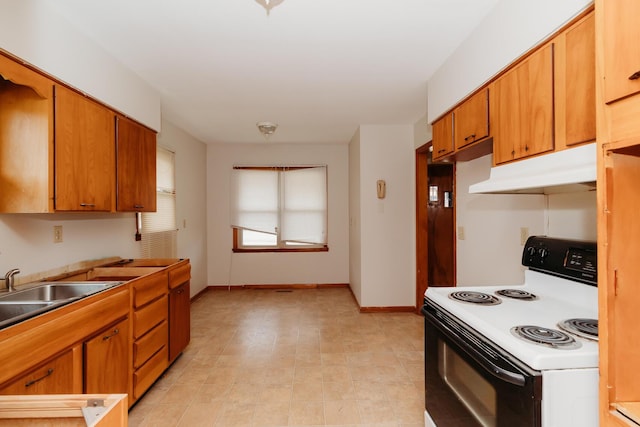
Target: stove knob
{"type": "Point", "coordinates": [543, 252]}
{"type": "Point", "coordinates": [531, 251]}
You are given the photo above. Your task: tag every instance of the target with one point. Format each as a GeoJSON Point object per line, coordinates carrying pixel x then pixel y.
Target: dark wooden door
{"type": "Point", "coordinates": [440, 219]}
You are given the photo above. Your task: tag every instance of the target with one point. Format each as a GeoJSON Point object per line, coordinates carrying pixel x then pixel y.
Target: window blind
{"type": "Point", "coordinates": [159, 231]}
{"type": "Point", "coordinates": [288, 201]}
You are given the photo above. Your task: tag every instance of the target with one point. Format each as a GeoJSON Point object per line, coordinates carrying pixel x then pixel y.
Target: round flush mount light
{"type": "Point", "coordinates": [267, 128]}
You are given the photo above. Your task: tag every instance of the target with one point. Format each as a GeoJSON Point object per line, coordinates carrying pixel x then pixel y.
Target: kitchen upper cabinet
{"type": "Point", "coordinates": [575, 84]}
{"type": "Point", "coordinates": [136, 167]}
{"type": "Point", "coordinates": [521, 106]}
{"type": "Point", "coordinates": [26, 139]}
{"type": "Point", "coordinates": [106, 359]}
{"type": "Point", "coordinates": [472, 120]}
{"type": "Point", "coordinates": [621, 49]}
{"type": "Point", "coordinates": [443, 136]}
{"type": "Point", "coordinates": [61, 374]}
{"type": "Point", "coordinates": [84, 153]}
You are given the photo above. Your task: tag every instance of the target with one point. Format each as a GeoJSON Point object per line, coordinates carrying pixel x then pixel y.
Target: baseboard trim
{"type": "Point", "coordinates": [278, 286]}
{"type": "Point", "coordinates": [399, 309]}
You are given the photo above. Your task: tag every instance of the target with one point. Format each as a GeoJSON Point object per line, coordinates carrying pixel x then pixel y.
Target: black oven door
{"type": "Point", "coordinates": [470, 382]}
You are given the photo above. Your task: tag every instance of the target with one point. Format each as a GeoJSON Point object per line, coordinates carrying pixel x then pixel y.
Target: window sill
{"type": "Point", "coordinates": [257, 250]}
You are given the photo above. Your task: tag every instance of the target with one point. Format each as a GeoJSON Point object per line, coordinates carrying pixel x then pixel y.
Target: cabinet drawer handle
{"type": "Point", "coordinates": [180, 291]}
{"type": "Point", "coordinates": [442, 150]}
{"type": "Point", "coordinates": [470, 137]}
{"type": "Point", "coordinates": [115, 332]}
{"type": "Point", "coordinates": [88, 205]}
{"type": "Point", "coordinates": [32, 382]}
{"type": "Point", "coordinates": [138, 207]}
{"type": "Point", "coordinates": [635, 76]}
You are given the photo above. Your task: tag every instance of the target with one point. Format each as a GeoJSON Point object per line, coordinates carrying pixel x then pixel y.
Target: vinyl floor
{"type": "Point", "coordinates": [304, 357]}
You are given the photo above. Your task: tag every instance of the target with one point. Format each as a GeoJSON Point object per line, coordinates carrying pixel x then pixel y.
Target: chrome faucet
{"type": "Point", "coordinates": [9, 279]}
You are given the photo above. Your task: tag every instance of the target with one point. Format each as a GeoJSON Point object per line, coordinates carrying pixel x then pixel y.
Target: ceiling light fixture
{"type": "Point", "coordinates": [269, 4]}
{"type": "Point", "coordinates": [267, 129]}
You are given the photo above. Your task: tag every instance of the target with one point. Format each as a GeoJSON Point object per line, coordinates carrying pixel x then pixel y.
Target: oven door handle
{"type": "Point", "coordinates": [493, 369]}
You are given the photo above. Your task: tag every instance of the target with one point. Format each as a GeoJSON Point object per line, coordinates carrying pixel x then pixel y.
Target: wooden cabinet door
{"type": "Point", "coordinates": [580, 83]}
{"type": "Point", "coordinates": [179, 319]}
{"type": "Point", "coordinates": [621, 48]}
{"type": "Point", "coordinates": [107, 360]}
{"type": "Point", "coordinates": [136, 167]}
{"type": "Point", "coordinates": [522, 108]}
{"type": "Point", "coordinates": [60, 375]}
{"type": "Point", "coordinates": [84, 153]}
{"type": "Point", "coordinates": [472, 120]}
{"type": "Point", "coordinates": [443, 136]}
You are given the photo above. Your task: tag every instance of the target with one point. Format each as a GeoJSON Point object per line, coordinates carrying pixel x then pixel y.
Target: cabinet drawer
{"type": "Point", "coordinates": [149, 344]}
{"type": "Point", "coordinates": [150, 288]}
{"type": "Point", "coordinates": [149, 372]}
{"type": "Point", "coordinates": [60, 375]}
{"type": "Point", "coordinates": [179, 275]}
{"type": "Point", "coordinates": [146, 318]}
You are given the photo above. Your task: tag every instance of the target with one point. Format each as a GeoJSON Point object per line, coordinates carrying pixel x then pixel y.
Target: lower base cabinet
{"type": "Point", "coordinates": [107, 359]}
{"type": "Point", "coordinates": [59, 375]}
{"type": "Point", "coordinates": [179, 320]}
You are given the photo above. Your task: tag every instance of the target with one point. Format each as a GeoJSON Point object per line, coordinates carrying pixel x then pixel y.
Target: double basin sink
{"type": "Point", "coordinates": [22, 304]}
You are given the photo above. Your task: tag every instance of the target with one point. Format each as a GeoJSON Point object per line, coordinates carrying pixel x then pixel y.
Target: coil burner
{"type": "Point", "coordinates": [584, 328]}
{"type": "Point", "coordinates": [473, 297]}
{"type": "Point", "coordinates": [544, 336]}
{"type": "Point", "coordinates": [517, 294]}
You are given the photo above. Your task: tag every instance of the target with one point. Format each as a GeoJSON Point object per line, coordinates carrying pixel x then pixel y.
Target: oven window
{"type": "Point", "coordinates": [476, 393]}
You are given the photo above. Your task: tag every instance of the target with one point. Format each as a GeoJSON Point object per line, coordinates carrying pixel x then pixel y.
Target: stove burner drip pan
{"type": "Point", "coordinates": [545, 336]}
{"type": "Point", "coordinates": [517, 294]}
{"type": "Point", "coordinates": [473, 297]}
{"type": "Point", "coordinates": [584, 328]}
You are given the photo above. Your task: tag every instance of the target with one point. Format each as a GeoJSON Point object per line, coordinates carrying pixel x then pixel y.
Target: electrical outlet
{"type": "Point", "coordinates": [524, 235]}
{"type": "Point", "coordinates": [57, 234]}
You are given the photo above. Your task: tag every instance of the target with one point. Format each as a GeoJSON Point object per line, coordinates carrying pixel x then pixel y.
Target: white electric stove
{"type": "Point", "coordinates": [481, 371]}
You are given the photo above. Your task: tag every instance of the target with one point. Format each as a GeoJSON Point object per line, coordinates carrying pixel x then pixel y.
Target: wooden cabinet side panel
{"type": "Point", "coordinates": [136, 167]}
{"type": "Point", "coordinates": [621, 50]}
{"type": "Point", "coordinates": [624, 270]}
{"type": "Point", "coordinates": [107, 360]}
{"type": "Point", "coordinates": [84, 153]}
{"type": "Point", "coordinates": [580, 97]}
{"type": "Point", "coordinates": [26, 149]}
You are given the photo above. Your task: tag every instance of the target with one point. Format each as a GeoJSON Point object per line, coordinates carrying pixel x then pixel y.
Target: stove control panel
{"type": "Point", "coordinates": [571, 259]}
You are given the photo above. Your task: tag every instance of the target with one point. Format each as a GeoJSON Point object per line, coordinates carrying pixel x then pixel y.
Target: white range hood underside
{"type": "Point", "coordinates": [563, 171]}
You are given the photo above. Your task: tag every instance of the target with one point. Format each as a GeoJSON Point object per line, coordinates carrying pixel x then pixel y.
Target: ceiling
{"type": "Point", "coordinates": [317, 68]}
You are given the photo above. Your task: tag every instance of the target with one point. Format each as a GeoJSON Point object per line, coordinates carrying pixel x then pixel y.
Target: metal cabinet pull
{"type": "Point", "coordinates": [138, 207]}
{"type": "Point", "coordinates": [115, 332]}
{"type": "Point", "coordinates": [470, 137]}
{"type": "Point", "coordinates": [635, 76]}
{"type": "Point", "coordinates": [32, 382]}
{"type": "Point", "coordinates": [88, 205]}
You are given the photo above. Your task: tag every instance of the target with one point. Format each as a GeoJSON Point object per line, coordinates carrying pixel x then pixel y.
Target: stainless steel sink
{"type": "Point", "coordinates": [25, 303]}
{"type": "Point", "coordinates": [56, 291]}
{"type": "Point", "coordinates": [11, 313]}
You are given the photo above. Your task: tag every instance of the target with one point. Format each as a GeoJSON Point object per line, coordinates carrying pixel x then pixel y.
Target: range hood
{"type": "Point", "coordinates": [563, 171]}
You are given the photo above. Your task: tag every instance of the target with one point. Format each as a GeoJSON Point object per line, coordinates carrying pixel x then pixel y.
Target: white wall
{"type": "Point", "coordinates": [422, 132]}
{"type": "Point", "coordinates": [572, 215]}
{"type": "Point", "coordinates": [491, 250]}
{"type": "Point", "coordinates": [508, 31]}
{"type": "Point", "coordinates": [225, 268]}
{"type": "Point", "coordinates": [37, 34]}
{"type": "Point", "coordinates": [191, 199]}
{"type": "Point", "coordinates": [387, 226]}
{"type": "Point", "coordinates": [355, 213]}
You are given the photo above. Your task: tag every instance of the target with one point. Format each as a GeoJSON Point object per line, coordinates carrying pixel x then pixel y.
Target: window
{"type": "Point", "coordinates": [159, 231]}
{"type": "Point", "coordinates": [279, 208]}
